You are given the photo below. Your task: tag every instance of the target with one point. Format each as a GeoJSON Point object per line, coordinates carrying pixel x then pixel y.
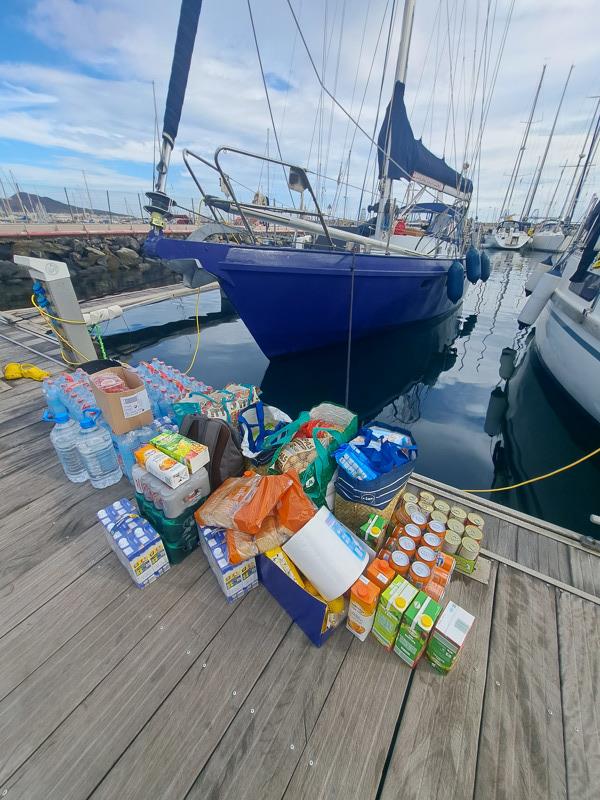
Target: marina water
{"type": "Point", "coordinates": [470, 387]}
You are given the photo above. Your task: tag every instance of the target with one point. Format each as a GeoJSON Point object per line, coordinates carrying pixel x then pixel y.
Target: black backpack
{"type": "Point", "coordinates": [223, 442]}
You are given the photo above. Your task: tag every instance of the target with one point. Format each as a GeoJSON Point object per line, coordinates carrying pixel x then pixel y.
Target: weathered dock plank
{"type": "Point", "coordinates": [522, 748]}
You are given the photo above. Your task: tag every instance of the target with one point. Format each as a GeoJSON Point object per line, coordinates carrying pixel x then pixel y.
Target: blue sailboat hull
{"type": "Point", "coordinates": [295, 300]}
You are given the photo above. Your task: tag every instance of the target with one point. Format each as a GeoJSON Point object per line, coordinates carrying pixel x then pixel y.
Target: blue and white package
{"type": "Point", "coordinates": [328, 553]}
{"type": "Point", "coordinates": [234, 580]}
{"type": "Point", "coordinates": [137, 545]}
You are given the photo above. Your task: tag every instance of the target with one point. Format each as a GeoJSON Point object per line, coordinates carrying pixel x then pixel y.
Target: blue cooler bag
{"type": "Point", "coordinates": [381, 469]}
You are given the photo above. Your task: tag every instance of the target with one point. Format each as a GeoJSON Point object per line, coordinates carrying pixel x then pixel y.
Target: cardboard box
{"type": "Point", "coordinates": [124, 411]}
{"type": "Point", "coordinates": [306, 610]}
{"type": "Point", "coordinates": [187, 452]}
{"type": "Point", "coordinates": [448, 637]}
{"type": "Point", "coordinates": [412, 634]}
{"type": "Point", "coordinates": [389, 614]}
{"type": "Point", "coordinates": [235, 581]}
{"type": "Point", "coordinates": [137, 545]}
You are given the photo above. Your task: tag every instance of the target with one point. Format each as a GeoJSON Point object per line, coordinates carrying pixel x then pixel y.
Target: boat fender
{"type": "Point", "coordinates": [473, 262]}
{"type": "Point", "coordinates": [486, 266]}
{"type": "Point", "coordinates": [538, 298]}
{"type": "Point", "coordinates": [455, 281]}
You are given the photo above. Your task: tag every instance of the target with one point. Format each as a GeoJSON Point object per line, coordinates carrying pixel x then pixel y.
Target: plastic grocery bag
{"type": "Point", "coordinates": [270, 506]}
{"type": "Point", "coordinates": [257, 422]}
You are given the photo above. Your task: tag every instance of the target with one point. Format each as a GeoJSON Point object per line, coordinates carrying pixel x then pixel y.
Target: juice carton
{"type": "Point", "coordinates": [363, 605]}
{"type": "Point", "coordinates": [448, 637]}
{"type": "Point", "coordinates": [380, 573]}
{"type": "Point", "coordinates": [187, 452]}
{"type": "Point", "coordinates": [286, 564]}
{"type": "Point", "coordinates": [162, 466]}
{"type": "Point", "coordinates": [394, 602]}
{"type": "Point", "coordinates": [415, 627]}
{"type": "Point", "coordinates": [373, 531]}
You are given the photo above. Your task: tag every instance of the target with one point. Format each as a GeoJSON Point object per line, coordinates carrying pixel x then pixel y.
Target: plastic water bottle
{"type": "Point", "coordinates": [97, 451]}
{"type": "Point", "coordinates": [53, 395]}
{"type": "Point", "coordinates": [64, 437]}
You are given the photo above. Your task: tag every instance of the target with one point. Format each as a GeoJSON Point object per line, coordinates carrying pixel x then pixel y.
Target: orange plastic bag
{"type": "Point", "coordinates": [240, 546]}
{"type": "Point", "coordinates": [295, 509]}
{"type": "Point", "coordinates": [220, 508]}
{"type": "Point", "coordinates": [261, 503]}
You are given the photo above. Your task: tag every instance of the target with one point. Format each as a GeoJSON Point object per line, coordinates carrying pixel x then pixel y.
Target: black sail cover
{"type": "Point", "coordinates": [182, 58]}
{"type": "Point", "coordinates": [409, 158]}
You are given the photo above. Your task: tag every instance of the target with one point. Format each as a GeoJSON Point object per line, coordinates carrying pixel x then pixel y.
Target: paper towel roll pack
{"type": "Point", "coordinates": [328, 554]}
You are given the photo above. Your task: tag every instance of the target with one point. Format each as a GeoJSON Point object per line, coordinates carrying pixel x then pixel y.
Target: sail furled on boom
{"type": "Point", "coordinates": [409, 158]}
{"type": "Point", "coordinates": [182, 58]}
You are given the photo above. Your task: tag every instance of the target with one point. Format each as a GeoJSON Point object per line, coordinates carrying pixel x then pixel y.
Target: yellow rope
{"type": "Point", "coordinates": [47, 317]}
{"type": "Point", "coordinates": [51, 316]}
{"type": "Point", "coordinates": [187, 371]}
{"type": "Point", "coordinates": [539, 477]}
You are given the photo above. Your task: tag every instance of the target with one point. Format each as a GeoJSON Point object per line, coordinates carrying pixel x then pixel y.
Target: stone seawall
{"type": "Point", "coordinates": [98, 267]}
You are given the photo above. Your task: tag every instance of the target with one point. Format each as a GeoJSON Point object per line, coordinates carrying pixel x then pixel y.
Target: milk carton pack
{"type": "Point", "coordinates": [235, 581]}
{"type": "Point", "coordinates": [137, 545]}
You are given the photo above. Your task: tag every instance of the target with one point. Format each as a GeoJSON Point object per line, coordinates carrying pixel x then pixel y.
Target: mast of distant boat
{"type": "Point", "coordinates": [515, 173]}
{"type": "Point", "coordinates": [385, 183]}
{"type": "Point", "coordinates": [595, 126]}
{"type": "Point", "coordinates": [536, 181]}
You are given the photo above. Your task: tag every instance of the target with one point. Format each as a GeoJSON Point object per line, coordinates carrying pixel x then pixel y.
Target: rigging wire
{"type": "Point", "coordinates": [264, 81]}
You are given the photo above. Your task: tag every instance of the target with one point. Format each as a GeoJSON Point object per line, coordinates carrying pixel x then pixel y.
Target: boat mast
{"type": "Point", "coordinates": [385, 183]}
{"type": "Point", "coordinates": [515, 173]}
{"type": "Point", "coordinates": [180, 68]}
{"type": "Point", "coordinates": [569, 207]}
{"type": "Point", "coordinates": [527, 208]}
{"type": "Point", "coordinates": [554, 193]}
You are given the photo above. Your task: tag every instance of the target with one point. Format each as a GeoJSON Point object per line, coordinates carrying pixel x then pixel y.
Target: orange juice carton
{"type": "Point", "coordinates": [394, 602]}
{"type": "Point", "coordinates": [363, 605]}
{"type": "Point", "coordinates": [162, 466]}
{"type": "Point", "coordinates": [415, 627]}
{"type": "Point", "coordinates": [380, 573]}
{"type": "Point", "coordinates": [192, 455]}
{"type": "Point", "coordinates": [448, 637]}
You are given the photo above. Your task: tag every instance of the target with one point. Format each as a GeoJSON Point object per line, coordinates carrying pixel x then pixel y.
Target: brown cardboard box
{"type": "Point", "coordinates": [124, 411]}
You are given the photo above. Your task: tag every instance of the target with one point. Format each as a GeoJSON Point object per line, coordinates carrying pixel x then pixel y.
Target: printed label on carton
{"type": "Point", "coordinates": [135, 404]}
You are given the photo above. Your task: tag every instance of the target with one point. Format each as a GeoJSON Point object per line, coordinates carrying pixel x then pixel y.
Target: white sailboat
{"type": "Point", "coordinates": [565, 309]}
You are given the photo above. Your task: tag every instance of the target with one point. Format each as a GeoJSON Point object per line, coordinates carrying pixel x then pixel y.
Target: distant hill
{"type": "Point", "coordinates": [32, 202]}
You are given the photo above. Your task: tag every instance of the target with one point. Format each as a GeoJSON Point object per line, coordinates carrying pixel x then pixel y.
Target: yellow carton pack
{"type": "Point", "coordinates": [284, 563]}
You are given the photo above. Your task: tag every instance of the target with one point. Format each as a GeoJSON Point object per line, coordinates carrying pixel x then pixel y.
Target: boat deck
{"type": "Point", "coordinates": [107, 691]}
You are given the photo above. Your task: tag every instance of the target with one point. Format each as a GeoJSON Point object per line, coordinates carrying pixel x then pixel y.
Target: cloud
{"type": "Point", "coordinates": [100, 106]}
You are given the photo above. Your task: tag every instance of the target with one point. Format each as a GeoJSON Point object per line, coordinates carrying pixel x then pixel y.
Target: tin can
{"type": "Point", "coordinates": [468, 549]}
{"type": "Point", "coordinates": [443, 506]}
{"type": "Point", "coordinates": [456, 527]}
{"type": "Point", "coordinates": [404, 512]}
{"type": "Point", "coordinates": [426, 555]}
{"type": "Point", "coordinates": [475, 519]}
{"type": "Point", "coordinates": [439, 517]}
{"type": "Point", "coordinates": [426, 510]}
{"type": "Point", "coordinates": [459, 513]}
{"type": "Point", "coordinates": [400, 563]}
{"type": "Point", "coordinates": [432, 540]}
{"type": "Point", "coordinates": [451, 543]}
{"type": "Point", "coordinates": [391, 544]}
{"type": "Point", "coordinates": [444, 563]}
{"type": "Point", "coordinates": [433, 526]}
{"type": "Point", "coordinates": [409, 497]}
{"type": "Point", "coordinates": [426, 497]}
{"type": "Point", "coordinates": [474, 533]}
{"type": "Point", "coordinates": [406, 544]}
{"type": "Point", "coordinates": [419, 574]}
{"type": "Point", "coordinates": [419, 519]}
{"type": "Point", "coordinates": [414, 532]}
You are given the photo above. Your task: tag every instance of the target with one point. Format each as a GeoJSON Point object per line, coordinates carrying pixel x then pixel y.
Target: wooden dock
{"type": "Point", "coordinates": [107, 691]}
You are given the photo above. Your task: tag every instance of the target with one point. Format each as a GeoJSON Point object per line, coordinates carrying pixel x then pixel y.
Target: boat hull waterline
{"type": "Point", "coordinates": [296, 300]}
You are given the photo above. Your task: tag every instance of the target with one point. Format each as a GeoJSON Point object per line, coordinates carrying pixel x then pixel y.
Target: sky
{"type": "Point", "coordinates": [77, 80]}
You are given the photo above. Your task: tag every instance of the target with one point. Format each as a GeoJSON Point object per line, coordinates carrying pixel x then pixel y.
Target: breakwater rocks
{"type": "Point", "coordinates": [98, 267]}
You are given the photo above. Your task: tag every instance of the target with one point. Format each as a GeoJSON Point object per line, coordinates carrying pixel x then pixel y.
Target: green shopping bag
{"type": "Point", "coordinates": [317, 474]}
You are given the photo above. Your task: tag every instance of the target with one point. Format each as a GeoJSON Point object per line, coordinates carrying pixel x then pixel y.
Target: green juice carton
{"type": "Point", "coordinates": [373, 531]}
{"type": "Point", "coordinates": [392, 605]}
{"type": "Point", "coordinates": [448, 637]}
{"type": "Point", "coordinates": [415, 627]}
